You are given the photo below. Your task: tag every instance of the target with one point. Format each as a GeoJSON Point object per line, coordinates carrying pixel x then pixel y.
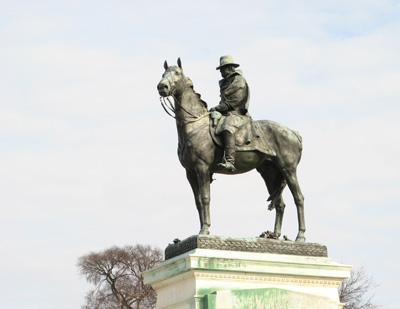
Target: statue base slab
{"type": "Point", "coordinates": [208, 278]}
{"type": "Point", "coordinates": [255, 244]}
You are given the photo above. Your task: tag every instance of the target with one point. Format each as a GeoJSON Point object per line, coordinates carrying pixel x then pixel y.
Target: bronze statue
{"type": "Point", "coordinates": [271, 148]}
{"type": "Point", "coordinates": [235, 97]}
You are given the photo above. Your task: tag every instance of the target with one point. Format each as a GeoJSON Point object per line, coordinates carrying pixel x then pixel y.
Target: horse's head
{"type": "Point", "coordinates": [172, 80]}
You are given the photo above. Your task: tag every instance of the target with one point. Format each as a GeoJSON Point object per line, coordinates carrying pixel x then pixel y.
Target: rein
{"type": "Point", "coordinates": [169, 108]}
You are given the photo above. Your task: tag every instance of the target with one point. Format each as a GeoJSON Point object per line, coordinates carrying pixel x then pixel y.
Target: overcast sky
{"type": "Point", "coordinates": [88, 156]}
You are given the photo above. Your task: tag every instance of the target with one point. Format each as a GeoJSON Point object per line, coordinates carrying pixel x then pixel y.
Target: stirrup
{"type": "Point", "coordinates": [228, 166]}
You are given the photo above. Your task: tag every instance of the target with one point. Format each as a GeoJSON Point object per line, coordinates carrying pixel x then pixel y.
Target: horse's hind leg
{"type": "Point", "coordinates": [275, 183]}
{"type": "Point", "coordinates": [293, 183]}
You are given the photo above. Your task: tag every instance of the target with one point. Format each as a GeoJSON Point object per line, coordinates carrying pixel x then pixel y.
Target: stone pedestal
{"type": "Point", "coordinates": [214, 278]}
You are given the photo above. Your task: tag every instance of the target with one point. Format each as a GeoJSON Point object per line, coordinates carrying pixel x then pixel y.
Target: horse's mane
{"type": "Point", "coordinates": [189, 83]}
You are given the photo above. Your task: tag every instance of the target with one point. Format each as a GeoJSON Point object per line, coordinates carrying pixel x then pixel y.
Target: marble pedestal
{"type": "Point", "coordinates": [209, 278]}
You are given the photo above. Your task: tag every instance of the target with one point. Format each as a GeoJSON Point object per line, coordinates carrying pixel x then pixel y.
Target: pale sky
{"type": "Point", "coordinates": [89, 156]}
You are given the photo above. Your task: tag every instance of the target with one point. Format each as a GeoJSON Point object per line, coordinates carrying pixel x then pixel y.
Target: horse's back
{"type": "Point", "coordinates": [278, 130]}
{"type": "Point", "coordinates": [280, 138]}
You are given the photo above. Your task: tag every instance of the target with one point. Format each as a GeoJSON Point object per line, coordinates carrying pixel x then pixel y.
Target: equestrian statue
{"type": "Point", "coordinates": [226, 140]}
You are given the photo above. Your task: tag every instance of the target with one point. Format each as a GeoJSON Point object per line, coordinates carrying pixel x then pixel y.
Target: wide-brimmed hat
{"type": "Point", "coordinates": [226, 60]}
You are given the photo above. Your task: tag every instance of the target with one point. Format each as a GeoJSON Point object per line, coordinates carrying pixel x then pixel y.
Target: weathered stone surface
{"type": "Point", "coordinates": [207, 278]}
{"type": "Point", "coordinates": [256, 244]}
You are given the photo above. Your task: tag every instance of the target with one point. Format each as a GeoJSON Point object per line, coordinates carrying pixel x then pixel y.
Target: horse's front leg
{"type": "Point", "coordinates": [192, 178]}
{"type": "Point", "coordinates": [203, 179]}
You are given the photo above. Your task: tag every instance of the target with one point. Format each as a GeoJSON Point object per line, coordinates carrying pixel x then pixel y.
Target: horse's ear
{"type": "Point", "coordinates": [165, 65]}
{"type": "Point", "coordinates": [179, 63]}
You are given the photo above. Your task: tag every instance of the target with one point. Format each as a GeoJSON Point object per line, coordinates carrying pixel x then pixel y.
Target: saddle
{"type": "Point", "coordinates": [249, 137]}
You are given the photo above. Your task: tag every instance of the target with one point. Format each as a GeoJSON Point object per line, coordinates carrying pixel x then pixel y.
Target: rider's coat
{"type": "Point", "coordinates": [235, 96]}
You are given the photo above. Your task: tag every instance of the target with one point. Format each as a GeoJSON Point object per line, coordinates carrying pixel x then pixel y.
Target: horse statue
{"type": "Point", "coordinates": [199, 153]}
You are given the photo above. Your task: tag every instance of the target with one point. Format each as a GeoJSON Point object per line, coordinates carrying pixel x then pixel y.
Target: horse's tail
{"type": "Point", "coordinates": [275, 196]}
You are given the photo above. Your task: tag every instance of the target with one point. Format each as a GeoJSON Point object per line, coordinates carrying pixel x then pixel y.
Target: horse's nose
{"type": "Point", "coordinates": [163, 89]}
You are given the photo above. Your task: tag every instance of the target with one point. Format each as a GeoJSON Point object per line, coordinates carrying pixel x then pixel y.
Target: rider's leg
{"type": "Point", "coordinates": [229, 148]}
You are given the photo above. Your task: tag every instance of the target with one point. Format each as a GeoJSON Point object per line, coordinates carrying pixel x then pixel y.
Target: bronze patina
{"type": "Point", "coordinates": [234, 104]}
{"type": "Point", "coordinates": [272, 149]}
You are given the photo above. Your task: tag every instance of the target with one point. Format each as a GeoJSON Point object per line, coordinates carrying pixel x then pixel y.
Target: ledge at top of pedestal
{"type": "Point", "coordinates": [255, 244]}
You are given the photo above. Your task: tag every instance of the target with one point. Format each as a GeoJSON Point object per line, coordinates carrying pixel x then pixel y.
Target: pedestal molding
{"type": "Point", "coordinates": [205, 278]}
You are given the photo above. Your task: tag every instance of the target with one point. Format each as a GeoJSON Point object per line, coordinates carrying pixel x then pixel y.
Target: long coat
{"type": "Point", "coordinates": [234, 104]}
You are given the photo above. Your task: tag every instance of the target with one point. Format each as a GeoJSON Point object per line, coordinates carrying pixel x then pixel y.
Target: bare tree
{"type": "Point", "coordinates": [357, 291]}
{"type": "Point", "coordinates": [116, 275]}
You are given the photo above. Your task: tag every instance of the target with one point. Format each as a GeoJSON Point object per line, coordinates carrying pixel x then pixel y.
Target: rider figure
{"type": "Point", "coordinates": [234, 105]}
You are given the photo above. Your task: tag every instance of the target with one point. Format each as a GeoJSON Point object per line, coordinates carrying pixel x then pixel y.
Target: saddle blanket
{"type": "Point", "coordinates": [249, 137]}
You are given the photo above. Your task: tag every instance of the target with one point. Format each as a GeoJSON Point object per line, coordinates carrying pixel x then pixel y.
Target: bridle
{"type": "Point", "coordinates": [170, 109]}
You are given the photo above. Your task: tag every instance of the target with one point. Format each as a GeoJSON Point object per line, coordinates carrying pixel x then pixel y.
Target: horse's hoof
{"type": "Point", "coordinates": [204, 231]}
{"type": "Point", "coordinates": [300, 239]}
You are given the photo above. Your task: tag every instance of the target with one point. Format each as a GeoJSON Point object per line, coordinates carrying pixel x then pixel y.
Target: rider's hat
{"type": "Point", "coordinates": [226, 60]}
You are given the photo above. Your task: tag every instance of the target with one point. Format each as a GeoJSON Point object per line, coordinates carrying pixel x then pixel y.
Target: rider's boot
{"type": "Point", "coordinates": [229, 149]}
